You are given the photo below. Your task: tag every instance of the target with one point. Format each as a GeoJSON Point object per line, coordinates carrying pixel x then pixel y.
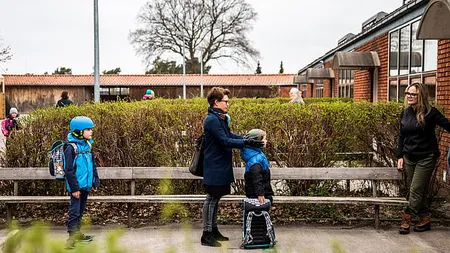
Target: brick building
{"type": "Point", "coordinates": [409, 45]}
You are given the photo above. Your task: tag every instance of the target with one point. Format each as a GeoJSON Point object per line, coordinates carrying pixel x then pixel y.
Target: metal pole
{"type": "Point", "coordinates": [184, 69]}
{"type": "Point", "coordinates": [201, 74]}
{"type": "Point", "coordinates": [96, 55]}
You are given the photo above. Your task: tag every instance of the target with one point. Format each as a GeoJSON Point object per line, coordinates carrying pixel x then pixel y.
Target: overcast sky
{"type": "Point", "coordinates": [46, 34]}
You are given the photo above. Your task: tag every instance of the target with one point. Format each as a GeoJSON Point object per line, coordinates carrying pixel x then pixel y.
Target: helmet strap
{"type": "Point", "coordinates": [78, 134]}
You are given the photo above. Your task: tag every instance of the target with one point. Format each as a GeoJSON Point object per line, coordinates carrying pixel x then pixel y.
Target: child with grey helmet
{"type": "Point", "coordinates": [257, 172]}
{"type": "Point", "coordinates": [81, 175]}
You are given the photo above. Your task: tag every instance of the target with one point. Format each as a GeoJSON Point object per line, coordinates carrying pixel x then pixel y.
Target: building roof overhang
{"type": "Point", "coordinates": [356, 60]}
{"type": "Point", "coordinates": [302, 80]}
{"type": "Point", "coordinates": [435, 23]}
{"type": "Point", "coordinates": [319, 73]}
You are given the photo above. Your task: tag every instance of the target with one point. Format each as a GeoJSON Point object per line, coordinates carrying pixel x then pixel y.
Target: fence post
{"type": "Point", "coordinates": [10, 207]}
{"type": "Point", "coordinates": [377, 207]}
{"type": "Point", "coordinates": [130, 205]}
{"type": "Point", "coordinates": [16, 188]}
{"type": "Point", "coordinates": [8, 213]}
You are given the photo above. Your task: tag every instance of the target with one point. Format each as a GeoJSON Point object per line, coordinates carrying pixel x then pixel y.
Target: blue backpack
{"type": "Point", "coordinates": [56, 158]}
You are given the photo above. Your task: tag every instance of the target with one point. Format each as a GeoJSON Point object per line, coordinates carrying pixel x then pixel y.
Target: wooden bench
{"type": "Point", "coordinates": [374, 174]}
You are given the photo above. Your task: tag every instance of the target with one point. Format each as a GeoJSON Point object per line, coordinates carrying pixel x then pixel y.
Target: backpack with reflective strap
{"type": "Point", "coordinates": [257, 228]}
{"type": "Point", "coordinates": [57, 160]}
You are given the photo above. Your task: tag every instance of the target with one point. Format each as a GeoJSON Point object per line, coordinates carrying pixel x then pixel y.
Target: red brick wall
{"type": "Point", "coordinates": [443, 99]}
{"type": "Point", "coordinates": [380, 45]}
{"type": "Point", "coordinates": [284, 91]}
{"type": "Point", "coordinates": [336, 83]}
{"type": "Point", "coordinates": [327, 82]}
{"type": "Point", "coordinates": [313, 91]}
{"type": "Point", "coordinates": [363, 86]}
{"type": "Point", "coordinates": [327, 88]}
{"type": "Point", "coordinates": [308, 91]}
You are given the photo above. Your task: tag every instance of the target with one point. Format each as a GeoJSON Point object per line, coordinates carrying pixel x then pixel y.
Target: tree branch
{"type": "Point", "coordinates": [218, 27]}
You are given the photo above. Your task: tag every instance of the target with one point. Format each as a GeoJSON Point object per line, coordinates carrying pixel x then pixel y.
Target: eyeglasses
{"type": "Point", "coordinates": [226, 101]}
{"type": "Point", "coordinates": [413, 95]}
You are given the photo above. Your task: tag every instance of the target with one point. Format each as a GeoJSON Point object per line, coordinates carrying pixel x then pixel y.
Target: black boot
{"type": "Point", "coordinates": [219, 236]}
{"type": "Point", "coordinates": [209, 240]}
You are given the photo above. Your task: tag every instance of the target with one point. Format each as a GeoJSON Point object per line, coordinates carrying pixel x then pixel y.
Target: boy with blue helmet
{"type": "Point", "coordinates": [81, 175]}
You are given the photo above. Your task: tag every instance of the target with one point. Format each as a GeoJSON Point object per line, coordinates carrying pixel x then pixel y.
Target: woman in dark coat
{"type": "Point", "coordinates": [64, 101]}
{"type": "Point", "coordinates": [218, 171]}
{"type": "Point", "coordinates": [418, 152]}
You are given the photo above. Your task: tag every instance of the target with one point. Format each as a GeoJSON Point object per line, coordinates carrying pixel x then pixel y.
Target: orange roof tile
{"type": "Point", "coordinates": [150, 80]}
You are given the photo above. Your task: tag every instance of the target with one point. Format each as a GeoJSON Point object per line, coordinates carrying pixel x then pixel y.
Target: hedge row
{"type": "Point", "coordinates": [162, 132]}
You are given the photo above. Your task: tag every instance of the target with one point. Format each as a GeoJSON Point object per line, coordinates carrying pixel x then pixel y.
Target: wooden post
{"type": "Point", "coordinates": [16, 188]}
{"type": "Point", "coordinates": [16, 193]}
{"type": "Point", "coordinates": [130, 205]}
{"type": "Point", "coordinates": [8, 213]}
{"type": "Point", "coordinates": [377, 207]}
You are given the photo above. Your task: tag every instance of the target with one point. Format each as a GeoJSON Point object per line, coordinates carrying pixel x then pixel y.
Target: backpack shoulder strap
{"type": "Point", "coordinates": [269, 227]}
{"type": "Point", "coordinates": [74, 146]}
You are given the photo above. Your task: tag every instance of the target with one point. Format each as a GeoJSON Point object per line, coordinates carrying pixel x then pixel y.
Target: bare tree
{"type": "Point", "coordinates": [212, 29]}
{"type": "Point", "coordinates": [5, 53]}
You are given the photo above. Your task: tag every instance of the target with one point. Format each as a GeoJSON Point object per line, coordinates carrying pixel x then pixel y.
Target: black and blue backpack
{"type": "Point", "coordinates": [56, 158]}
{"type": "Point", "coordinates": [257, 228]}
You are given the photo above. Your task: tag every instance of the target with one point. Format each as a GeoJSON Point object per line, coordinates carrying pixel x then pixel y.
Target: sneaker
{"type": "Point", "coordinates": [84, 238]}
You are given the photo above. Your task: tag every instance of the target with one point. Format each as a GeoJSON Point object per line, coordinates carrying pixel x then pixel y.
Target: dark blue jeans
{"type": "Point", "coordinates": [76, 210]}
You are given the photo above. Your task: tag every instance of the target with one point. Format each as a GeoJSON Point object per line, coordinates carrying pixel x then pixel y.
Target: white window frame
{"type": "Point", "coordinates": [409, 76]}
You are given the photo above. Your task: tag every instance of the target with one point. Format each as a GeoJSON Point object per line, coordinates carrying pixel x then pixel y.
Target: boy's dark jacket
{"type": "Point", "coordinates": [257, 173]}
{"type": "Point", "coordinates": [218, 143]}
{"type": "Point", "coordinates": [80, 170]}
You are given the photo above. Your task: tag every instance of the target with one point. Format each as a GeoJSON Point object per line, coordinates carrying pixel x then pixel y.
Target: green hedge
{"type": "Point", "coordinates": [162, 132]}
{"type": "Point", "coordinates": [150, 133]}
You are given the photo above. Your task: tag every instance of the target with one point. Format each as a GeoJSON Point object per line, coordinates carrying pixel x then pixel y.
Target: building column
{"type": "Point", "coordinates": [327, 88]}
{"type": "Point", "coordinates": [362, 90]}
{"type": "Point", "coordinates": [443, 100]}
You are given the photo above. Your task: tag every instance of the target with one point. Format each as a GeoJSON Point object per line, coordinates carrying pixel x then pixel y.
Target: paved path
{"type": "Point", "coordinates": [176, 238]}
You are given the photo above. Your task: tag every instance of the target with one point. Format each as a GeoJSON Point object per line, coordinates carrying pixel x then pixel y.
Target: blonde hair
{"type": "Point", "coordinates": [298, 96]}
{"type": "Point", "coordinates": [423, 105]}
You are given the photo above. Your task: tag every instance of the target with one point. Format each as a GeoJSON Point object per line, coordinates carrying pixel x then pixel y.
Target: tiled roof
{"type": "Point", "coordinates": [149, 80]}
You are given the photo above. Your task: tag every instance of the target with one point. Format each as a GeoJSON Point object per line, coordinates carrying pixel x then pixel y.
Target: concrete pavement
{"type": "Point", "coordinates": [178, 238]}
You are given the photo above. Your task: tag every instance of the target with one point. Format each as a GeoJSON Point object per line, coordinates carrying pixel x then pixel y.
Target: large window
{"type": "Point", "coordinates": [393, 55]}
{"type": "Point", "coordinates": [416, 50]}
{"type": "Point", "coordinates": [431, 49]}
{"type": "Point", "coordinates": [410, 60]}
{"type": "Point", "coordinates": [319, 88]}
{"type": "Point", "coordinates": [117, 91]}
{"type": "Point", "coordinates": [346, 83]}
{"type": "Point", "coordinates": [405, 36]}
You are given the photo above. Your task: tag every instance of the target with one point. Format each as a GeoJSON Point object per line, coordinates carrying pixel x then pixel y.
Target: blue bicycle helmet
{"type": "Point", "coordinates": [79, 123]}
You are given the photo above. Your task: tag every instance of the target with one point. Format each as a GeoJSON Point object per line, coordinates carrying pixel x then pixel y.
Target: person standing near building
{"type": "Point", "coordinates": [217, 165]}
{"type": "Point", "coordinates": [149, 95]}
{"type": "Point", "coordinates": [11, 122]}
{"type": "Point", "coordinates": [295, 96]}
{"type": "Point", "coordinates": [64, 101]}
{"type": "Point", "coordinates": [417, 153]}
